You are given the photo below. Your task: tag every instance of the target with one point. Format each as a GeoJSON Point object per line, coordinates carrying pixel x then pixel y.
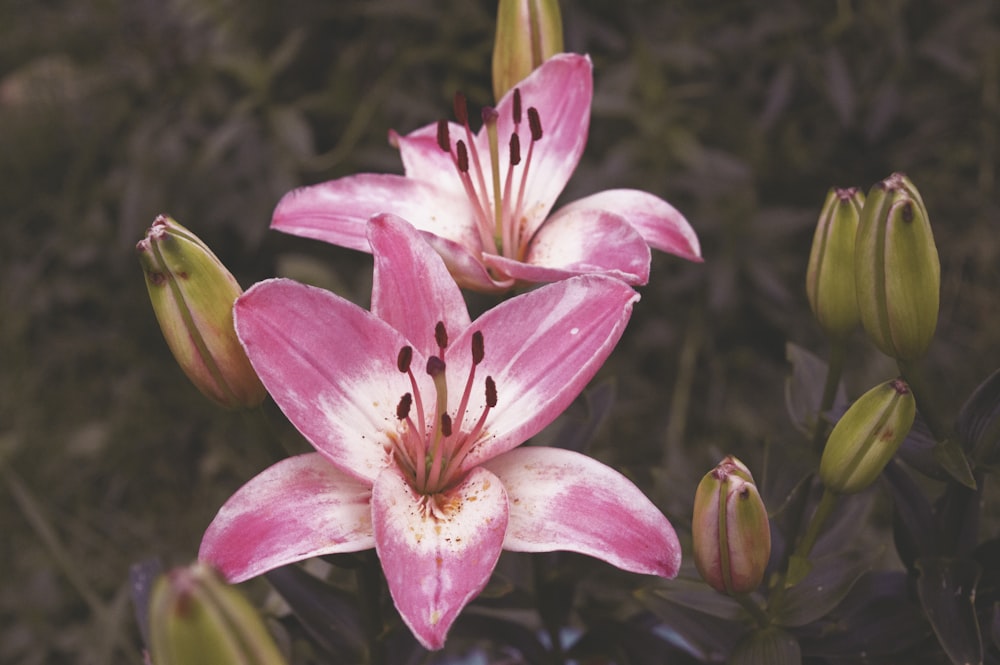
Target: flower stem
{"type": "Point", "coordinates": [823, 511]}
{"type": "Point", "coordinates": [834, 369]}
{"type": "Point", "coordinates": [753, 609]}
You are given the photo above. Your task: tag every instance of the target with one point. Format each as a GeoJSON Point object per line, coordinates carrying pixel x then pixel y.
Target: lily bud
{"type": "Point", "coordinates": [197, 619]}
{"type": "Point", "coordinates": [193, 295]}
{"type": "Point", "coordinates": [867, 436]}
{"type": "Point", "coordinates": [897, 271]}
{"type": "Point", "coordinates": [529, 32]}
{"type": "Point", "coordinates": [830, 277]}
{"type": "Point", "coordinates": [732, 539]}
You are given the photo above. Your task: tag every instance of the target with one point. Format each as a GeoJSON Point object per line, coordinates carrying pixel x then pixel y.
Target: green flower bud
{"type": "Point", "coordinates": [867, 436]}
{"type": "Point", "coordinates": [192, 295]}
{"type": "Point", "coordinates": [897, 271]}
{"type": "Point", "coordinates": [732, 539]}
{"type": "Point", "coordinates": [197, 619]}
{"type": "Point", "coordinates": [529, 32]}
{"type": "Point", "coordinates": [830, 278]}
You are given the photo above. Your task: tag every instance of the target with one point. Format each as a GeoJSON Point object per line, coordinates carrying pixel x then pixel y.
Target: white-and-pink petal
{"type": "Point", "coordinates": [437, 558]}
{"type": "Point", "coordinates": [661, 225]}
{"type": "Point", "coordinates": [331, 368]}
{"type": "Point", "coordinates": [562, 500]}
{"type": "Point", "coordinates": [541, 349]}
{"type": "Point", "coordinates": [299, 508]}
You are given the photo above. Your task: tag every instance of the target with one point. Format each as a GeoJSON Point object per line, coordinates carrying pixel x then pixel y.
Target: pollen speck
{"type": "Point", "coordinates": [574, 331]}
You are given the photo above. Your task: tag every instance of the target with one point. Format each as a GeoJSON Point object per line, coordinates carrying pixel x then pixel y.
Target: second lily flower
{"type": "Point", "coordinates": [483, 200]}
{"type": "Point", "coordinates": [417, 413]}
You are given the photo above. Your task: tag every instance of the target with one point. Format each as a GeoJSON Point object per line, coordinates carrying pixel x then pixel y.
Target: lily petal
{"type": "Point", "coordinates": [562, 500]}
{"type": "Point", "coordinates": [437, 559]}
{"type": "Point", "coordinates": [423, 159]}
{"type": "Point", "coordinates": [561, 89]}
{"type": "Point", "coordinates": [330, 366]}
{"type": "Point", "coordinates": [299, 508]}
{"type": "Point", "coordinates": [467, 267]}
{"type": "Point", "coordinates": [412, 289]}
{"type": "Point", "coordinates": [541, 350]}
{"type": "Point", "coordinates": [661, 225]}
{"type": "Point", "coordinates": [588, 241]}
{"type": "Point", "coordinates": [337, 211]}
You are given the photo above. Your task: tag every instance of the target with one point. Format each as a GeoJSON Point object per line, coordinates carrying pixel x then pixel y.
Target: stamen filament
{"type": "Point", "coordinates": [490, 121]}
{"type": "Point", "coordinates": [473, 435]}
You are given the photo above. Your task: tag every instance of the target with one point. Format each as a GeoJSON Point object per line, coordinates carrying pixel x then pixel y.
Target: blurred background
{"type": "Point", "coordinates": [740, 114]}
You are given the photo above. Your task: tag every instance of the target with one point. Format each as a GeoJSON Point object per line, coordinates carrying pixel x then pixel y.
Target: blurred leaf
{"type": "Point", "coordinates": [804, 387]}
{"type": "Point", "coordinates": [769, 646]}
{"type": "Point", "coordinates": [947, 591]}
{"type": "Point", "coordinates": [708, 638]}
{"type": "Point", "coordinates": [141, 576]}
{"type": "Point", "coordinates": [914, 523]}
{"type": "Point", "coordinates": [840, 88]}
{"type": "Point", "coordinates": [329, 614]}
{"type": "Point", "coordinates": [638, 640]}
{"type": "Point", "coordinates": [917, 450]}
{"type": "Point", "coordinates": [579, 425]}
{"type": "Point", "coordinates": [827, 583]}
{"type": "Point", "coordinates": [500, 631]}
{"type": "Point", "coordinates": [978, 423]}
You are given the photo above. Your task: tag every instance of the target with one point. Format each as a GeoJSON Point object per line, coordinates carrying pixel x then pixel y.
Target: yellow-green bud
{"type": "Point", "coordinates": [197, 619]}
{"type": "Point", "coordinates": [867, 436]}
{"type": "Point", "coordinates": [193, 295]}
{"type": "Point", "coordinates": [897, 270]}
{"type": "Point", "coordinates": [732, 538]}
{"type": "Point", "coordinates": [529, 32]}
{"type": "Point", "coordinates": [830, 278]}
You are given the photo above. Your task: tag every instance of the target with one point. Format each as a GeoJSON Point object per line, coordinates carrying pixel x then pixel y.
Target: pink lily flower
{"type": "Point", "coordinates": [416, 413]}
{"type": "Point", "coordinates": [483, 200]}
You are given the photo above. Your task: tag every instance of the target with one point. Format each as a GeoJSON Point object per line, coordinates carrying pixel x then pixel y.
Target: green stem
{"type": "Point", "coordinates": [823, 511]}
{"type": "Point", "coordinates": [835, 368]}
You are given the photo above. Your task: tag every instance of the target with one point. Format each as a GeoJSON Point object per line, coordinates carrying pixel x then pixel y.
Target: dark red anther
{"type": "Point", "coordinates": [515, 150]}
{"type": "Point", "coordinates": [462, 155]}
{"type": "Point", "coordinates": [440, 335]}
{"type": "Point", "coordinates": [478, 349]}
{"type": "Point", "coordinates": [435, 366]}
{"type": "Point", "coordinates": [517, 106]}
{"type": "Point", "coordinates": [461, 109]}
{"type": "Point", "coordinates": [404, 358]}
{"type": "Point", "coordinates": [446, 424]}
{"type": "Point", "coordinates": [403, 408]}
{"type": "Point", "coordinates": [444, 140]}
{"type": "Point", "coordinates": [535, 123]}
{"type": "Point", "coordinates": [491, 392]}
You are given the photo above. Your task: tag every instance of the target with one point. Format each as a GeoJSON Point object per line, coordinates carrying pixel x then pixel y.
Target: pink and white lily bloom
{"type": "Point", "coordinates": [483, 200]}
{"type": "Point", "coordinates": [416, 413]}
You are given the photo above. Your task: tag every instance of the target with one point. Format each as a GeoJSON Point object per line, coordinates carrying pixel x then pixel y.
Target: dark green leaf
{"type": "Point", "coordinates": [696, 595]}
{"type": "Point", "coordinates": [914, 523]}
{"type": "Point", "coordinates": [947, 591]}
{"type": "Point", "coordinates": [827, 583]}
{"type": "Point", "coordinates": [708, 638]}
{"type": "Point", "coordinates": [978, 423]}
{"type": "Point", "coordinates": [804, 387]}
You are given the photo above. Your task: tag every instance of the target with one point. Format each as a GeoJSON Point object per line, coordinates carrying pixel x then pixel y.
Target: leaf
{"type": "Point", "coordinates": [978, 423]}
{"type": "Point", "coordinates": [696, 595]}
{"type": "Point", "coordinates": [708, 638]}
{"type": "Point", "coordinates": [804, 387]}
{"type": "Point", "coordinates": [141, 576]}
{"type": "Point", "coordinates": [328, 614]}
{"type": "Point", "coordinates": [917, 450]}
{"type": "Point", "coordinates": [639, 640]}
{"type": "Point", "coordinates": [915, 525]}
{"type": "Point", "coordinates": [827, 583]}
{"type": "Point", "coordinates": [947, 591]}
{"type": "Point", "coordinates": [768, 646]}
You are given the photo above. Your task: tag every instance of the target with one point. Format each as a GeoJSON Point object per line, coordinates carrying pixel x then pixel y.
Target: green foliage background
{"type": "Point", "coordinates": [741, 114]}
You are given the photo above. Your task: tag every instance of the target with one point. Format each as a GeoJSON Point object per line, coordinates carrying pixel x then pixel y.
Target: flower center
{"type": "Point", "coordinates": [498, 204]}
{"type": "Point", "coordinates": [432, 444]}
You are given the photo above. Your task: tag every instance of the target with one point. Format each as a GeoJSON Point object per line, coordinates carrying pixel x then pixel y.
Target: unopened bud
{"type": "Point", "coordinates": [867, 436]}
{"type": "Point", "coordinates": [529, 32]}
{"type": "Point", "coordinates": [197, 619]}
{"type": "Point", "coordinates": [897, 270]}
{"type": "Point", "coordinates": [732, 539]}
{"type": "Point", "coordinates": [830, 278]}
{"type": "Point", "coordinates": [193, 295]}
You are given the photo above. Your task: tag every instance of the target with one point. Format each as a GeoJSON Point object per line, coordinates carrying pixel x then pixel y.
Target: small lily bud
{"type": "Point", "coordinates": [529, 32]}
{"type": "Point", "coordinates": [732, 539]}
{"type": "Point", "coordinates": [197, 619]}
{"type": "Point", "coordinates": [192, 295]}
{"type": "Point", "coordinates": [897, 270]}
{"type": "Point", "coordinates": [867, 436]}
{"type": "Point", "coordinates": [830, 278]}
